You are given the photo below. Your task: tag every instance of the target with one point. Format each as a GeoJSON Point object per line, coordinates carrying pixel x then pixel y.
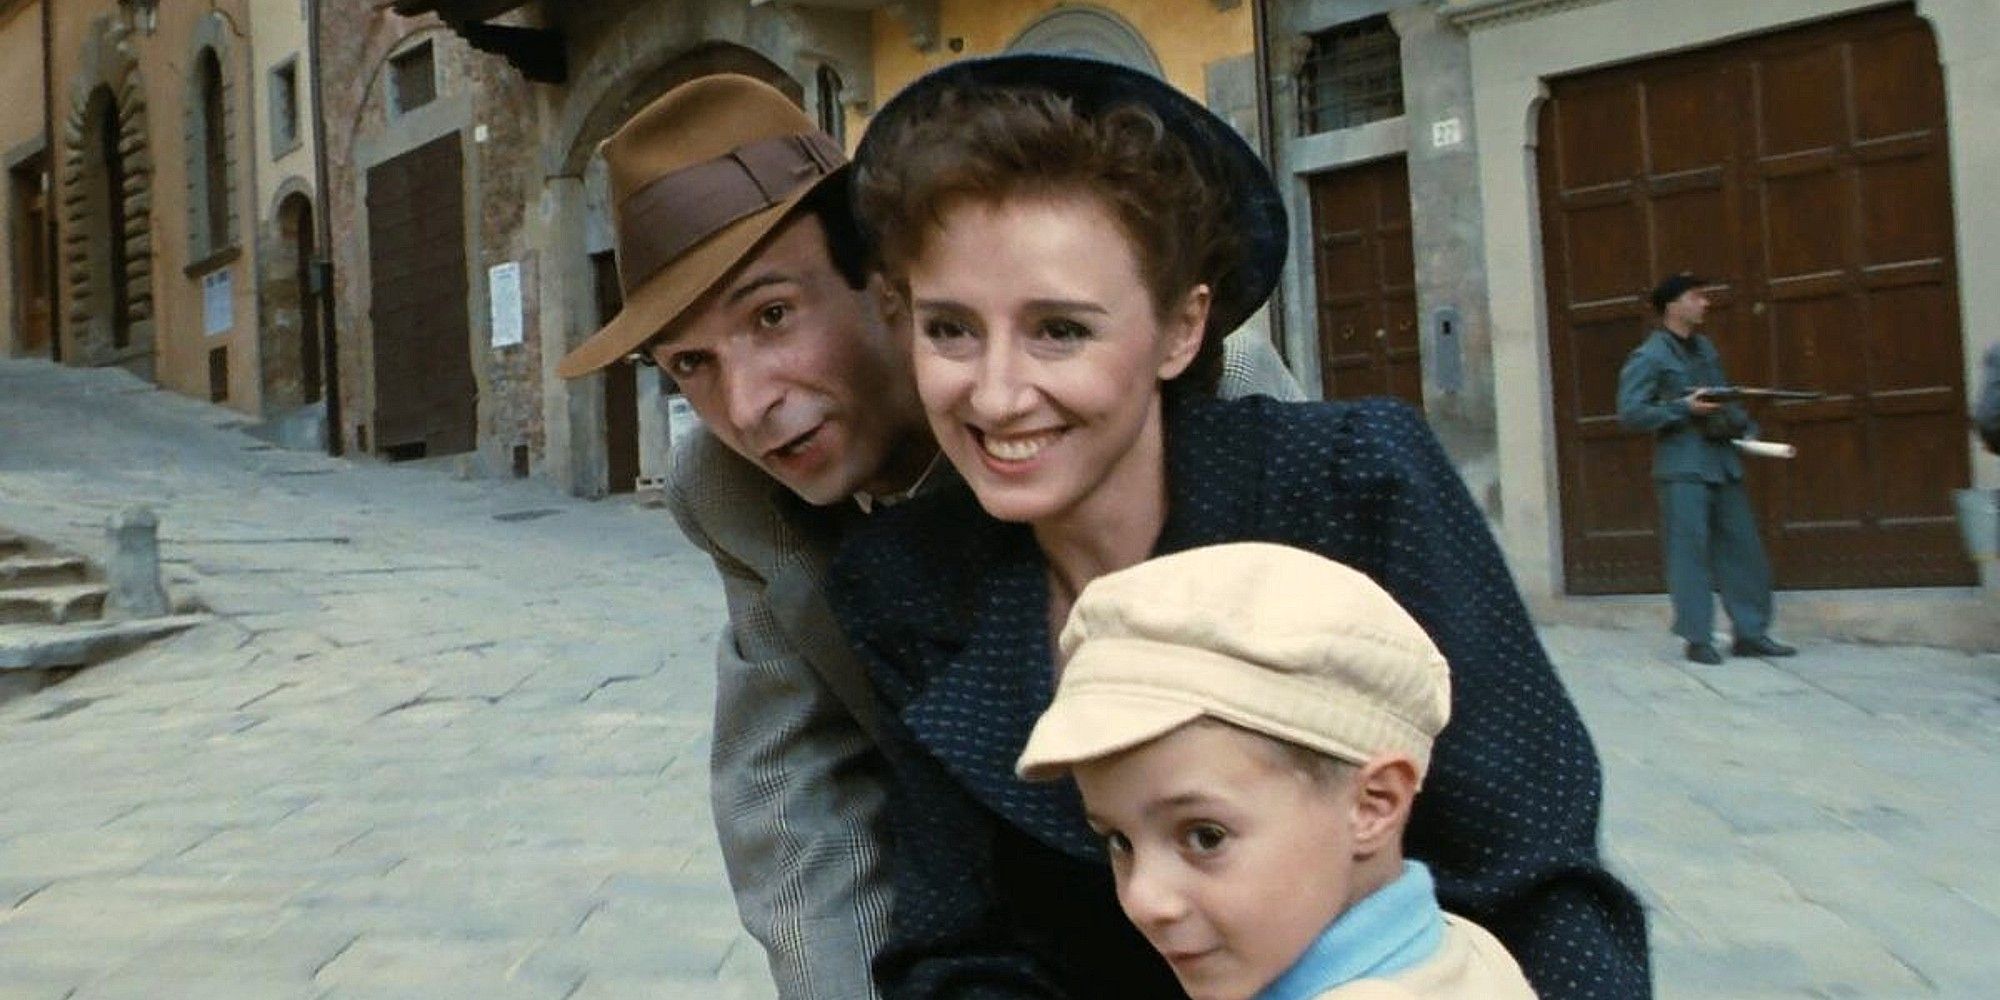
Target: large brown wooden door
{"type": "Point", "coordinates": [1806, 171]}
{"type": "Point", "coordinates": [426, 401]}
{"type": "Point", "coordinates": [1366, 282]}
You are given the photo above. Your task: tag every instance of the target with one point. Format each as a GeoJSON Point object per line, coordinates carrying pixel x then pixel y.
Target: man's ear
{"type": "Point", "coordinates": [1183, 331]}
{"type": "Point", "coordinates": [888, 300]}
{"type": "Point", "coordinates": [1383, 791]}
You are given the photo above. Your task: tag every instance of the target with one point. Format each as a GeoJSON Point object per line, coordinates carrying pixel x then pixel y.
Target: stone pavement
{"type": "Point", "coordinates": [447, 739]}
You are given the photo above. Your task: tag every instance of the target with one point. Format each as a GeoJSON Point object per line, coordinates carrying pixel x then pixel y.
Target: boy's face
{"type": "Point", "coordinates": [1229, 859]}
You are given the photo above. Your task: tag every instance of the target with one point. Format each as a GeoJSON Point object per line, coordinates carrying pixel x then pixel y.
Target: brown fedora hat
{"type": "Point", "coordinates": [698, 179]}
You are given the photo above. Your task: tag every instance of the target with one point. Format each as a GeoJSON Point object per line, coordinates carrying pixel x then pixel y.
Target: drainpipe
{"type": "Point", "coordinates": [50, 210]}
{"type": "Point", "coordinates": [322, 266]}
{"type": "Point", "coordinates": [1267, 145]}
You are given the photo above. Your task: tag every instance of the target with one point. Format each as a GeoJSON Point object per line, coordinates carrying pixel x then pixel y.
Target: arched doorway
{"type": "Point", "coordinates": [631, 438]}
{"type": "Point", "coordinates": [110, 257]}
{"type": "Point", "coordinates": [292, 352]}
{"type": "Point", "coordinates": [105, 188]}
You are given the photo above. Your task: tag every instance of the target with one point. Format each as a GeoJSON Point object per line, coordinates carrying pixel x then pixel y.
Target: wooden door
{"type": "Point", "coordinates": [621, 387]}
{"type": "Point", "coordinates": [1366, 282]}
{"type": "Point", "coordinates": [31, 258]}
{"type": "Point", "coordinates": [426, 401]}
{"type": "Point", "coordinates": [1806, 170]}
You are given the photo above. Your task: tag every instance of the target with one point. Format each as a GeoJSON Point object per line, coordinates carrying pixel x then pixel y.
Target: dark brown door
{"type": "Point", "coordinates": [31, 258]}
{"type": "Point", "coordinates": [1366, 282]}
{"type": "Point", "coordinates": [1807, 171]}
{"type": "Point", "coordinates": [426, 402]}
{"type": "Point", "coordinates": [621, 387]}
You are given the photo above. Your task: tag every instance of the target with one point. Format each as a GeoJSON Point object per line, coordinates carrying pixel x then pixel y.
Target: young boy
{"type": "Point", "coordinates": [1249, 724]}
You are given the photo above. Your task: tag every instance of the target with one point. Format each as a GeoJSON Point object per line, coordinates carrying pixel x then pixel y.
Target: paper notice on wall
{"type": "Point", "coordinates": [218, 302]}
{"type": "Point", "coordinates": [503, 296]}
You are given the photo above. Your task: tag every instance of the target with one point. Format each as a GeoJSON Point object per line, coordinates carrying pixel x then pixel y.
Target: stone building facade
{"type": "Point", "coordinates": [1482, 191]}
{"type": "Point", "coordinates": [523, 94]}
{"type": "Point", "coordinates": [153, 162]}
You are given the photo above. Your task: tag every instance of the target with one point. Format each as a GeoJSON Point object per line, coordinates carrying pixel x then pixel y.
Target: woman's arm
{"type": "Point", "coordinates": [948, 938]}
{"type": "Point", "coordinates": [1508, 816]}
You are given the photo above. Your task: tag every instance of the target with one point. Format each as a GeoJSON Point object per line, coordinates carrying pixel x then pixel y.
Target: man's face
{"type": "Point", "coordinates": [1228, 860]}
{"type": "Point", "coordinates": [799, 373]}
{"type": "Point", "coordinates": [1690, 309]}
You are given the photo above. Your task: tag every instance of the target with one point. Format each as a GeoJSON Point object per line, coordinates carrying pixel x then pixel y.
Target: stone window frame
{"type": "Point", "coordinates": [830, 101]}
{"type": "Point", "coordinates": [287, 131]}
{"type": "Point", "coordinates": [396, 107]}
{"type": "Point", "coordinates": [208, 250]}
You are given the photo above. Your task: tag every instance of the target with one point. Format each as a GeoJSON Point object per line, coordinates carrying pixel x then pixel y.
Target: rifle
{"type": "Point", "coordinates": [1738, 393]}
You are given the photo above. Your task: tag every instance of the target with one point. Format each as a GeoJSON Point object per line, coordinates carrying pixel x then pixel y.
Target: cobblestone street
{"type": "Point", "coordinates": [447, 738]}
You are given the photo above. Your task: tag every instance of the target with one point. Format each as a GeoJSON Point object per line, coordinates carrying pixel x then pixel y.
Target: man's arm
{"type": "Point", "coordinates": [1639, 405]}
{"type": "Point", "coordinates": [1252, 367]}
{"type": "Point", "coordinates": [796, 783]}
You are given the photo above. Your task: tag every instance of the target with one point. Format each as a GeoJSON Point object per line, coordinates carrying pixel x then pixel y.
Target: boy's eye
{"type": "Point", "coordinates": [1203, 838]}
{"type": "Point", "coordinates": [773, 315]}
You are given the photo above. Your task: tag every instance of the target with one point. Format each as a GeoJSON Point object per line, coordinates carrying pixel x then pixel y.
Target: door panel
{"type": "Point", "coordinates": [426, 400]}
{"type": "Point", "coordinates": [1366, 283]}
{"type": "Point", "coordinates": [1805, 170]}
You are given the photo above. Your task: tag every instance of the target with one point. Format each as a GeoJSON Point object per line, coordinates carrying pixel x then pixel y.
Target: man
{"type": "Point", "coordinates": [745, 278]}
{"type": "Point", "coordinates": [1706, 525]}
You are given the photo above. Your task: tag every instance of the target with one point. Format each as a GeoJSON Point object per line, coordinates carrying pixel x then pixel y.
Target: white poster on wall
{"type": "Point", "coordinates": [503, 296]}
{"type": "Point", "coordinates": [218, 302]}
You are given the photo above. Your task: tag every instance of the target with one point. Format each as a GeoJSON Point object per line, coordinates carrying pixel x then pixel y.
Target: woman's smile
{"type": "Point", "coordinates": [1039, 355]}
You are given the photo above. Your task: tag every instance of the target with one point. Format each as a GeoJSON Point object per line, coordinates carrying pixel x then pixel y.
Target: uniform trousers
{"type": "Point", "coordinates": [1710, 537]}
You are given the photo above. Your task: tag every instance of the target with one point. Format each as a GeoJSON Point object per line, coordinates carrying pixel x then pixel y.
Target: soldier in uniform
{"type": "Point", "coordinates": [1706, 524]}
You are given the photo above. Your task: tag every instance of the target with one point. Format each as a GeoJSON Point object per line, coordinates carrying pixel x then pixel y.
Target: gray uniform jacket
{"type": "Point", "coordinates": [1651, 391]}
{"type": "Point", "coordinates": [796, 782]}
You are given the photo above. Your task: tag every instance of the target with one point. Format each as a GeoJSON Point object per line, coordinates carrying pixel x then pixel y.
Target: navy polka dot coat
{"type": "Point", "coordinates": [1002, 890]}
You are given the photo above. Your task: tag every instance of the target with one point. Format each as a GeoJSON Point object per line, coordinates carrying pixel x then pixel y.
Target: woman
{"type": "Point", "coordinates": [1073, 240]}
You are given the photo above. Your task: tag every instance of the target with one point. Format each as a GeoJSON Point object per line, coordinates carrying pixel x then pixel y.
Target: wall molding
{"type": "Point", "coordinates": [1477, 14]}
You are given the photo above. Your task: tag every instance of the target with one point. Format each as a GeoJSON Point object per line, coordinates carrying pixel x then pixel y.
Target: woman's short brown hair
{"type": "Point", "coordinates": [997, 144]}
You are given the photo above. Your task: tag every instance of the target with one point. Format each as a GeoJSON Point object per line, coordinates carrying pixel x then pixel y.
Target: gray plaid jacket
{"type": "Point", "coordinates": [796, 781]}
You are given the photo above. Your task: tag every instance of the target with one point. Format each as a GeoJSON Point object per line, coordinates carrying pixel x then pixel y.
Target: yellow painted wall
{"type": "Point", "coordinates": [20, 125]}
{"type": "Point", "coordinates": [278, 33]}
{"type": "Point", "coordinates": [20, 76]}
{"type": "Point", "coordinates": [166, 60]}
{"type": "Point", "coordinates": [1185, 35]}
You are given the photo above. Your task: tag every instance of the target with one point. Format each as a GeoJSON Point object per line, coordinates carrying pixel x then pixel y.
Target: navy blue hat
{"type": "Point", "coordinates": [1092, 86]}
{"type": "Point", "coordinates": [1674, 287]}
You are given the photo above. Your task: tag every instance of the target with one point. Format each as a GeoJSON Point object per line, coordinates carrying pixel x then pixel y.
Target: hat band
{"type": "Point", "coordinates": [675, 211]}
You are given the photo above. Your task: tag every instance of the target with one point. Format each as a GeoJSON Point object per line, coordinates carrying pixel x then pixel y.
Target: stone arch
{"type": "Point", "coordinates": [209, 133]}
{"type": "Point", "coordinates": [107, 180]}
{"type": "Point", "coordinates": [576, 141]}
{"type": "Point", "coordinates": [1088, 31]}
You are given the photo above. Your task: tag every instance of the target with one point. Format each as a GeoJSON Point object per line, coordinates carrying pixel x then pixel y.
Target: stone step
{"type": "Point", "coordinates": [12, 544]}
{"type": "Point", "coordinates": [41, 647]}
{"type": "Point", "coordinates": [32, 571]}
{"type": "Point", "coordinates": [52, 605]}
